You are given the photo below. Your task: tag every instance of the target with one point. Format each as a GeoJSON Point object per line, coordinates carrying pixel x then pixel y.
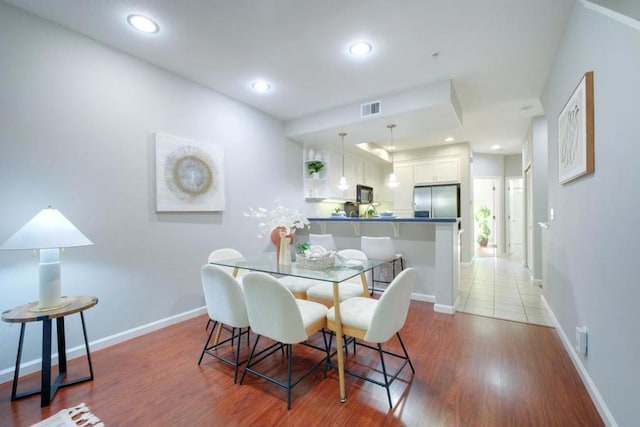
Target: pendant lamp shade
{"type": "Point", "coordinates": [343, 184]}
{"type": "Point", "coordinates": [392, 182]}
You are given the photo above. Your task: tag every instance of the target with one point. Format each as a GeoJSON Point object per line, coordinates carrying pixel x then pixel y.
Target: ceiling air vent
{"type": "Point", "coordinates": [370, 109]}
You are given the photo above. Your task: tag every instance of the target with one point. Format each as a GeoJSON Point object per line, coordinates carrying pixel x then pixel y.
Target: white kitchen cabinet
{"type": "Point", "coordinates": [424, 172]}
{"type": "Point", "coordinates": [403, 194]}
{"type": "Point", "coordinates": [447, 170]}
{"type": "Point", "coordinates": [433, 171]}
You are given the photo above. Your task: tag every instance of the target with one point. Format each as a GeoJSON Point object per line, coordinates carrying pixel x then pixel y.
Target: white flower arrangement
{"type": "Point", "coordinates": [278, 217]}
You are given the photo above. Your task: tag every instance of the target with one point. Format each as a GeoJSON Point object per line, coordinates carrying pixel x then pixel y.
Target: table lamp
{"type": "Point", "coordinates": [48, 231]}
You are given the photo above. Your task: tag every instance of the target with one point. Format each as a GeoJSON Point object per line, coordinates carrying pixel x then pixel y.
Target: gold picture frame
{"type": "Point", "coordinates": [575, 133]}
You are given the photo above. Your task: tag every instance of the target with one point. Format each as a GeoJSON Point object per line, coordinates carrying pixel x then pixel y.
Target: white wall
{"type": "Point", "coordinates": [593, 241]}
{"type": "Point", "coordinates": [76, 126]}
{"type": "Point", "coordinates": [513, 165]}
{"type": "Point", "coordinates": [540, 176]}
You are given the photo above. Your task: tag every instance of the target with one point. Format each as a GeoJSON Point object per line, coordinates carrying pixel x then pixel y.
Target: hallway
{"type": "Point", "coordinates": [500, 287]}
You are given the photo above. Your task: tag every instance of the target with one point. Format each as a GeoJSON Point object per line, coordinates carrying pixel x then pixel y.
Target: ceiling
{"type": "Point", "coordinates": [496, 55]}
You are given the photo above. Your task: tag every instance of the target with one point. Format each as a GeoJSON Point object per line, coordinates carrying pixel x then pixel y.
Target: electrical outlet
{"type": "Point", "coordinates": [582, 340]}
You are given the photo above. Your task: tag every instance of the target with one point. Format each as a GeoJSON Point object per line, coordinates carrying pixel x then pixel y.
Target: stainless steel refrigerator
{"type": "Point", "coordinates": [437, 201]}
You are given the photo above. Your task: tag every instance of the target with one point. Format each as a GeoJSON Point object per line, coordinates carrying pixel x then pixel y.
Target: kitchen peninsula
{"type": "Point", "coordinates": [430, 245]}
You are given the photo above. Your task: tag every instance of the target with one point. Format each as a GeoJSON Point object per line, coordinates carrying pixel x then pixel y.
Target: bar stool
{"type": "Point", "coordinates": [324, 240]}
{"type": "Point", "coordinates": [381, 249]}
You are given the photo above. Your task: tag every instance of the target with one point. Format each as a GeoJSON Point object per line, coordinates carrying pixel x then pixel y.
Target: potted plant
{"type": "Point", "coordinates": [302, 246]}
{"type": "Point", "coordinates": [314, 167]}
{"type": "Point", "coordinates": [481, 216]}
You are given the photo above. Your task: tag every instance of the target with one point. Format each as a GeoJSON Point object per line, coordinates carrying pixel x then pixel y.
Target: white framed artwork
{"type": "Point", "coordinates": [575, 133]}
{"type": "Point", "coordinates": [189, 175]}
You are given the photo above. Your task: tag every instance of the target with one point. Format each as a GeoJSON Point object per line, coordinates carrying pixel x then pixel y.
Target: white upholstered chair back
{"type": "Point", "coordinates": [224, 297]}
{"type": "Point", "coordinates": [378, 248]}
{"type": "Point", "coordinates": [357, 255]}
{"type": "Point", "coordinates": [324, 240]}
{"type": "Point", "coordinates": [391, 310]}
{"type": "Point", "coordinates": [272, 309]}
{"type": "Point", "coordinates": [222, 254]}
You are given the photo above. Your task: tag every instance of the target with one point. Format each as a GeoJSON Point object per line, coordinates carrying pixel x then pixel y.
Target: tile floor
{"type": "Point", "coordinates": [500, 287]}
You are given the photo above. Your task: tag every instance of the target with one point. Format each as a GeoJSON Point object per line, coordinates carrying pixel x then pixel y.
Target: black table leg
{"type": "Point", "coordinates": [16, 373]}
{"type": "Point", "coordinates": [45, 387]}
{"type": "Point", "coordinates": [86, 346]}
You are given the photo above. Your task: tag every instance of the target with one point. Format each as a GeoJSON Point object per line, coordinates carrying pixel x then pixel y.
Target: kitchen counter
{"type": "Point", "coordinates": [383, 219]}
{"type": "Point", "coordinates": [430, 245]}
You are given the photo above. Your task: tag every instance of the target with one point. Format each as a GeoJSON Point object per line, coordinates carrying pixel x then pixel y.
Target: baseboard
{"type": "Point", "coordinates": [441, 308]}
{"type": "Point", "coordinates": [35, 365]}
{"type": "Point", "coordinates": [597, 399]}
{"type": "Point", "coordinates": [423, 297]}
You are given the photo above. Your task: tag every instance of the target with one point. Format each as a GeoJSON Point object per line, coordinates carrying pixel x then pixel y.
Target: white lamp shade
{"type": "Point", "coordinates": [343, 185]}
{"type": "Point", "coordinates": [393, 181]}
{"type": "Point", "coordinates": [48, 229]}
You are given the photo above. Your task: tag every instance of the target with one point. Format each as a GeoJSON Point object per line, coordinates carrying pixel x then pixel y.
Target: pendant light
{"type": "Point", "coordinates": [343, 185]}
{"type": "Point", "coordinates": [392, 182]}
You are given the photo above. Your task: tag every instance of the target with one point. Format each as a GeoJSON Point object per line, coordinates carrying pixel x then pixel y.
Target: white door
{"type": "Point", "coordinates": [529, 215]}
{"type": "Point", "coordinates": [515, 217]}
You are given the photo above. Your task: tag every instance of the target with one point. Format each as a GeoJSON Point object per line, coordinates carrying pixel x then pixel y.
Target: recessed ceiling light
{"type": "Point", "coordinates": [360, 48]}
{"type": "Point", "coordinates": [449, 139]}
{"type": "Point", "coordinates": [142, 23]}
{"type": "Point", "coordinates": [260, 86]}
{"type": "Point", "coordinates": [495, 147]}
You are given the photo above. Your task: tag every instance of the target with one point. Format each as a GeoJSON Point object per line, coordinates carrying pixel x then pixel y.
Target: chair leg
{"type": "Point", "coordinates": [206, 344]}
{"type": "Point", "coordinates": [384, 372]}
{"type": "Point", "coordinates": [235, 371]}
{"type": "Point", "coordinates": [289, 351]}
{"type": "Point", "coordinates": [253, 349]}
{"type": "Point", "coordinates": [405, 352]}
{"type": "Point", "coordinates": [373, 281]}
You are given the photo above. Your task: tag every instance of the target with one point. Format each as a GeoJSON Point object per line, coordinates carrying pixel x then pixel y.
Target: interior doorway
{"type": "Point", "coordinates": [528, 187]}
{"type": "Point", "coordinates": [515, 217]}
{"type": "Point", "coordinates": [486, 212]}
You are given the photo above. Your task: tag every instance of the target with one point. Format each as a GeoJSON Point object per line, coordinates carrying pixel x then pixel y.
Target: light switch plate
{"type": "Point", "coordinates": [552, 214]}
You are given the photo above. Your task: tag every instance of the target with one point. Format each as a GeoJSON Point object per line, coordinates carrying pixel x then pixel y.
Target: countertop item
{"type": "Point", "coordinates": [384, 219]}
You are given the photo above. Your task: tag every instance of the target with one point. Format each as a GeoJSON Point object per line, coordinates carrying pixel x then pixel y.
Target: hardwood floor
{"type": "Point", "coordinates": [470, 371]}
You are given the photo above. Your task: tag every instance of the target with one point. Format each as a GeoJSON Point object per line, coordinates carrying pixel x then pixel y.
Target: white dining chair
{"type": "Point", "coordinates": [323, 291]}
{"type": "Point", "coordinates": [381, 249]}
{"type": "Point", "coordinates": [225, 303]}
{"type": "Point", "coordinates": [221, 255]}
{"type": "Point", "coordinates": [377, 321]}
{"type": "Point", "coordinates": [324, 240]}
{"type": "Point", "coordinates": [275, 313]}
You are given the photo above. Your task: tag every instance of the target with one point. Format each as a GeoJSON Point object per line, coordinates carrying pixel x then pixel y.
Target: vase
{"type": "Point", "coordinates": [284, 257]}
{"type": "Point", "coordinates": [276, 240]}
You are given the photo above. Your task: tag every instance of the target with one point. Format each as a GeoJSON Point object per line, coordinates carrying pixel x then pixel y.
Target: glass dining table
{"type": "Point", "coordinates": [342, 271]}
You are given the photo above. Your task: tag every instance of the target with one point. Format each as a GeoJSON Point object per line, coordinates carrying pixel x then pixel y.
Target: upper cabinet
{"type": "Point", "coordinates": [442, 170]}
{"type": "Point", "coordinates": [403, 194]}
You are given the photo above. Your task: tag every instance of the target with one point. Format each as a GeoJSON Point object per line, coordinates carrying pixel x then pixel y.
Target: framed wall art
{"type": "Point", "coordinates": [575, 133]}
{"type": "Point", "coordinates": [189, 175]}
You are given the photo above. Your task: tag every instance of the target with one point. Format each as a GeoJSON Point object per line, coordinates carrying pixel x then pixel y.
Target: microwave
{"type": "Point", "coordinates": [364, 194]}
